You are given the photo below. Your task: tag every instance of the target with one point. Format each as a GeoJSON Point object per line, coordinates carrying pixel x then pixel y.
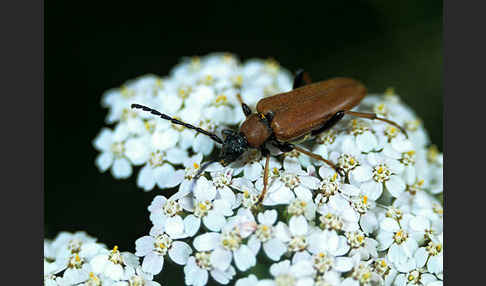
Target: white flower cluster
{"type": "Point", "coordinates": [378, 223]}
{"type": "Point", "coordinates": [77, 259]}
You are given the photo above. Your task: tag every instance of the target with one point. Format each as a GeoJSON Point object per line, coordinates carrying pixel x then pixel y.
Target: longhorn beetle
{"type": "Point", "coordinates": [287, 118]}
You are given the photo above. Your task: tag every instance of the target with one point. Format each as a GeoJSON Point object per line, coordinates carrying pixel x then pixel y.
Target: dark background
{"type": "Point", "coordinates": [91, 48]}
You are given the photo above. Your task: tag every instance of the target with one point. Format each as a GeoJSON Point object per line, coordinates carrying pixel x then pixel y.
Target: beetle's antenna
{"type": "Point", "coordinates": [175, 121]}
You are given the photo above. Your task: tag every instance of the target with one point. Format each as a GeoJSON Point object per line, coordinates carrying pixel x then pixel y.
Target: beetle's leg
{"type": "Point", "coordinates": [283, 146]}
{"type": "Point", "coordinates": [246, 108]}
{"type": "Point", "coordinates": [301, 78]}
{"type": "Point", "coordinates": [330, 123]}
{"type": "Point", "coordinates": [320, 158]}
{"type": "Point", "coordinates": [265, 153]}
{"type": "Point", "coordinates": [374, 116]}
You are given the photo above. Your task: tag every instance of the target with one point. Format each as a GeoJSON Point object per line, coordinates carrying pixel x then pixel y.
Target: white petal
{"type": "Point", "coordinates": [244, 258]}
{"type": "Point", "coordinates": [253, 171]}
{"type": "Point", "coordinates": [146, 178]}
{"type": "Point", "coordinates": [104, 161]}
{"type": "Point", "coordinates": [165, 139]}
{"type": "Point", "coordinates": [274, 248]}
{"type": "Point", "coordinates": [191, 225]}
{"type": "Point", "coordinates": [435, 264]}
{"type": "Point", "coordinates": [282, 232]}
{"type": "Point", "coordinates": [309, 182]}
{"type": "Point", "coordinates": [204, 191]}
{"type": "Point", "coordinates": [269, 217]}
{"type": "Point", "coordinates": [144, 245]}
{"type": "Point", "coordinates": [282, 267]}
{"type": "Point", "coordinates": [222, 277]}
{"type": "Point", "coordinates": [298, 225]}
{"type": "Point", "coordinates": [292, 165]}
{"type": "Point", "coordinates": [202, 144]}
{"type": "Point", "coordinates": [254, 244]}
{"type": "Point", "coordinates": [281, 196]}
{"type": "Point", "coordinates": [104, 140]}
{"type": "Point", "coordinates": [303, 193]}
{"type": "Point", "coordinates": [98, 263]}
{"type": "Point", "coordinates": [420, 257]}
{"type": "Point", "coordinates": [137, 151]}
{"type": "Point", "coordinates": [228, 195]}
{"type": "Point", "coordinates": [221, 259]}
{"type": "Point", "coordinates": [153, 263]}
{"type": "Point", "coordinates": [121, 168]}
{"type": "Point", "coordinates": [395, 185]}
{"type": "Point", "coordinates": [349, 190]}
{"type": "Point", "coordinates": [362, 173]}
{"type": "Point", "coordinates": [372, 189]}
{"type": "Point", "coordinates": [419, 223]}
{"type": "Point", "coordinates": [214, 221]}
{"type": "Point", "coordinates": [366, 141]}
{"type": "Point", "coordinates": [207, 241]}
{"type": "Point", "coordinates": [114, 271]}
{"type": "Point", "coordinates": [368, 222]}
{"type": "Point", "coordinates": [175, 179]}
{"type": "Point", "coordinates": [176, 156]}
{"type": "Point", "coordinates": [343, 264]}
{"type": "Point", "coordinates": [390, 225]}
{"type": "Point", "coordinates": [179, 252]}
{"type": "Point", "coordinates": [174, 226]}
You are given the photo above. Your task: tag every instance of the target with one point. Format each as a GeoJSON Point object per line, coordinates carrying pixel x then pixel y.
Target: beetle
{"type": "Point", "coordinates": [288, 118]}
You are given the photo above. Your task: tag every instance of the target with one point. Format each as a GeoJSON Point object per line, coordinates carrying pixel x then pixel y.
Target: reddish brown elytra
{"type": "Point", "coordinates": [286, 118]}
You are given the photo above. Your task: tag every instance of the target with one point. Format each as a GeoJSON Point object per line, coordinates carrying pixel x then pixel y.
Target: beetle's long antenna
{"type": "Point", "coordinates": [175, 121]}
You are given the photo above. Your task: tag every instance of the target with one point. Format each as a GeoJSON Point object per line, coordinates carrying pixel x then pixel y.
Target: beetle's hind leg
{"type": "Point", "coordinates": [374, 116]}
{"type": "Point", "coordinates": [287, 147]}
{"type": "Point", "coordinates": [320, 158]}
{"type": "Point", "coordinates": [301, 78]}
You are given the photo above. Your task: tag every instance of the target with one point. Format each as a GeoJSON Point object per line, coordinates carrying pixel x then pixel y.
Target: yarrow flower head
{"type": "Point", "coordinates": [77, 259]}
{"type": "Point", "coordinates": [375, 219]}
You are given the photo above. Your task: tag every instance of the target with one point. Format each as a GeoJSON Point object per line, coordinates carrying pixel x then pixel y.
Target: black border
{"type": "Point", "coordinates": [22, 115]}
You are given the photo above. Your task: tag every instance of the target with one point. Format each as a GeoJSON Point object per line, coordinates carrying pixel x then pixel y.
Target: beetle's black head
{"type": "Point", "coordinates": [233, 146]}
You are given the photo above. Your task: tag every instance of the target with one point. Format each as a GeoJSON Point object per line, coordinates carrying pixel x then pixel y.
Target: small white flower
{"type": "Point", "coordinates": [288, 184]}
{"type": "Point", "coordinates": [285, 273]}
{"type": "Point", "coordinates": [112, 145]}
{"type": "Point", "coordinates": [251, 280]}
{"type": "Point", "coordinates": [360, 140]}
{"type": "Point", "coordinates": [396, 236]}
{"type": "Point", "coordinates": [136, 276]}
{"type": "Point", "coordinates": [327, 250]}
{"type": "Point", "coordinates": [295, 235]}
{"type": "Point", "coordinates": [338, 214]}
{"type": "Point", "coordinates": [160, 171]}
{"type": "Point", "coordinates": [154, 248]}
{"type": "Point", "coordinates": [379, 173]}
{"type": "Point", "coordinates": [225, 247]}
{"type": "Point", "coordinates": [197, 268]}
{"type": "Point", "coordinates": [362, 274]}
{"type": "Point", "coordinates": [112, 263]}
{"type": "Point", "coordinates": [264, 235]}
{"type": "Point", "coordinates": [412, 271]}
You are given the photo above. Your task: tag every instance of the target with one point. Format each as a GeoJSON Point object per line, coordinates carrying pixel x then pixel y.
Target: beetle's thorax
{"type": "Point", "coordinates": [256, 129]}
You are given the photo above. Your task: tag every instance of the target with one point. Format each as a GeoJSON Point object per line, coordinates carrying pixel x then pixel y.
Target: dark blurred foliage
{"type": "Point", "coordinates": [91, 47]}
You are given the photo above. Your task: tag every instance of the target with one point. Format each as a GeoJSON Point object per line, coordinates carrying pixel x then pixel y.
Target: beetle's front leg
{"type": "Point", "coordinates": [266, 153]}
